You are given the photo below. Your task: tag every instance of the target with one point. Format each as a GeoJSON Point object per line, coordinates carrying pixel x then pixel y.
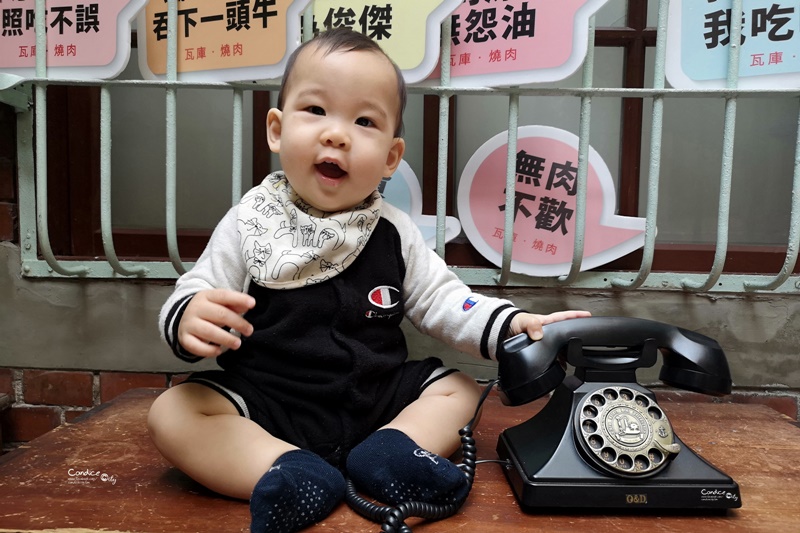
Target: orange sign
{"type": "Point", "coordinates": [221, 41]}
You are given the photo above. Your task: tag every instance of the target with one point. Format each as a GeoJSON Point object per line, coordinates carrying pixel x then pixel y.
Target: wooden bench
{"type": "Point", "coordinates": [101, 473]}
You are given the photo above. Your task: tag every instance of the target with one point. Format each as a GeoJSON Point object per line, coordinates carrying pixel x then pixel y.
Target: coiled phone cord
{"type": "Point", "coordinates": [393, 518]}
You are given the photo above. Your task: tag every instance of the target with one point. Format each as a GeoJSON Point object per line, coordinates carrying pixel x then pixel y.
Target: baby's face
{"type": "Point", "coordinates": [335, 134]}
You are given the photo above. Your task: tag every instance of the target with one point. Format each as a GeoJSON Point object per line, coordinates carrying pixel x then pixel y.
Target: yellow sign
{"type": "Point", "coordinates": [408, 30]}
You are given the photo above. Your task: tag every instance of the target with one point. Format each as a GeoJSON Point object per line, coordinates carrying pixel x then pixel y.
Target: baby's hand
{"type": "Point", "coordinates": [532, 324]}
{"type": "Point", "coordinates": [207, 313]}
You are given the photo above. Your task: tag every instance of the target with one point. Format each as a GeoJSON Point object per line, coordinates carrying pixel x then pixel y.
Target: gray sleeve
{"type": "Point", "coordinates": [441, 305]}
{"type": "Point", "coordinates": [220, 266]}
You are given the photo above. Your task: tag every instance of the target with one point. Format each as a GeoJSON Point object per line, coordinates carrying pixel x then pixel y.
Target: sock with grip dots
{"type": "Point", "coordinates": [299, 490]}
{"type": "Point", "coordinates": [392, 468]}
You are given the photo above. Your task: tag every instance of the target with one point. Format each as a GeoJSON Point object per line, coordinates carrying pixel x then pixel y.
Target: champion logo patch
{"type": "Point", "coordinates": [469, 303]}
{"type": "Point", "coordinates": [384, 296]}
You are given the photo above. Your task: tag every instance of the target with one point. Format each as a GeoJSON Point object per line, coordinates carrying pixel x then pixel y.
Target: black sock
{"type": "Point", "coordinates": [299, 490]}
{"type": "Point", "coordinates": [392, 468]}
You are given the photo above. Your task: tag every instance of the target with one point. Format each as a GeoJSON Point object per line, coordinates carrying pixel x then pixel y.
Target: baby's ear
{"type": "Point", "coordinates": [274, 117]}
{"type": "Point", "coordinates": [395, 156]}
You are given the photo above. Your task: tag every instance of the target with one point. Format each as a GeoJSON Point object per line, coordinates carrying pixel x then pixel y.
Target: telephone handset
{"type": "Point", "coordinates": [611, 345]}
{"type": "Point", "coordinates": [601, 430]}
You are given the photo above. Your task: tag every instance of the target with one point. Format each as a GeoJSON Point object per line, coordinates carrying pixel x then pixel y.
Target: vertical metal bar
{"type": "Point", "coordinates": [444, 125]}
{"type": "Point", "coordinates": [238, 135]}
{"type": "Point", "coordinates": [105, 188]}
{"type": "Point", "coordinates": [26, 173]}
{"type": "Point", "coordinates": [171, 139]}
{"type": "Point", "coordinates": [794, 230]}
{"type": "Point", "coordinates": [41, 148]}
{"type": "Point", "coordinates": [723, 214]}
{"type": "Point", "coordinates": [308, 22]}
{"type": "Point", "coordinates": [583, 162]}
{"type": "Point", "coordinates": [654, 172]}
{"type": "Point", "coordinates": [511, 188]}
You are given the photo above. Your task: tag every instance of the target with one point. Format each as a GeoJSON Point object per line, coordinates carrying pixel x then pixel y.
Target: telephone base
{"type": "Point", "coordinates": [546, 471]}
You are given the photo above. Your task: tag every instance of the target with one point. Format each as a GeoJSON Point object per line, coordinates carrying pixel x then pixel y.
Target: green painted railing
{"type": "Point", "coordinates": [38, 260]}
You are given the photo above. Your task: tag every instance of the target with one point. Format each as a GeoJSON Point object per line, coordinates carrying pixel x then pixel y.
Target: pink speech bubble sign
{"type": "Point", "coordinates": [544, 225]}
{"type": "Point", "coordinates": [84, 40]}
{"type": "Point", "coordinates": [518, 41]}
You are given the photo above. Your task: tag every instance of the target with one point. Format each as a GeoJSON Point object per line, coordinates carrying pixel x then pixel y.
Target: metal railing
{"type": "Point", "coordinates": [35, 241]}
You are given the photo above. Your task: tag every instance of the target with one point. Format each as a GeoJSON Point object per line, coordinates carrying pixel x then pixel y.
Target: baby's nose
{"type": "Point", "coordinates": [336, 136]}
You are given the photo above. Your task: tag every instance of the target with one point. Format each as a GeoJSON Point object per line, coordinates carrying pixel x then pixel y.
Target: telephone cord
{"type": "Point", "coordinates": [393, 518]}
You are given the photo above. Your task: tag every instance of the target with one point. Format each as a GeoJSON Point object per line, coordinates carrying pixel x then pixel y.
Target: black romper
{"type": "Point", "coordinates": [327, 363]}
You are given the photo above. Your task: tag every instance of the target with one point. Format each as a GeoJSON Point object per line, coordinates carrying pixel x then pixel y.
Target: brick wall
{"type": "Point", "coordinates": [41, 400]}
{"type": "Point", "coordinates": [44, 399]}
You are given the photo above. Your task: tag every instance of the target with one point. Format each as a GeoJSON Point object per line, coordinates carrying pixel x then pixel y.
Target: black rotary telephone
{"type": "Point", "coordinates": [602, 440]}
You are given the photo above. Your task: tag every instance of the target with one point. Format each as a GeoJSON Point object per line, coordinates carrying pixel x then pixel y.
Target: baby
{"type": "Point", "coordinates": [300, 294]}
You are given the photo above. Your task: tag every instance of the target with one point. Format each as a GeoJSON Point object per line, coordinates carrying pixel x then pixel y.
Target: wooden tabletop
{"type": "Point", "coordinates": [101, 473]}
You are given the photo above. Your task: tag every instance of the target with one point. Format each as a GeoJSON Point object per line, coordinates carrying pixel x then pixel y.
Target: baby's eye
{"type": "Point", "coordinates": [365, 122]}
{"type": "Point", "coordinates": [315, 110]}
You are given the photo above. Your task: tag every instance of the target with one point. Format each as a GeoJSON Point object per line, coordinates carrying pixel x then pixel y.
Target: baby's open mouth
{"type": "Point", "coordinates": [330, 170]}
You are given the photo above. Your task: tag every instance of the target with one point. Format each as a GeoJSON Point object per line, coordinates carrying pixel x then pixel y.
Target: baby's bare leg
{"type": "Point", "coordinates": [200, 432]}
{"type": "Point", "coordinates": [443, 408]}
{"type": "Point", "coordinates": [406, 460]}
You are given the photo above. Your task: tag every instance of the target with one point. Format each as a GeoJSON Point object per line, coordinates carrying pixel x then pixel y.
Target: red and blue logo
{"type": "Point", "coordinates": [384, 296]}
{"type": "Point", "coordinates": [469, 303]}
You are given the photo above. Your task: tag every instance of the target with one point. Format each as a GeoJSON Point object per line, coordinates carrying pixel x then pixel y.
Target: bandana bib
{"type": "Point", "coordinates": [286, 243]}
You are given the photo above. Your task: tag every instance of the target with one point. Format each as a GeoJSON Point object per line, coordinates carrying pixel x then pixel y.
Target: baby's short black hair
{"type": "Point", "coordinates": [348, 40]}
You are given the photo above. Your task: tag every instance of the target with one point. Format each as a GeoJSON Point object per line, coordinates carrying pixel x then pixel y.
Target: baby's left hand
{"type": "Point", "coordinates": [532, 324]}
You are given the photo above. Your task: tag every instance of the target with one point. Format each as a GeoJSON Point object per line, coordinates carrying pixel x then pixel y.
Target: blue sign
{"type": "Point", "coordinates": [699, 38]}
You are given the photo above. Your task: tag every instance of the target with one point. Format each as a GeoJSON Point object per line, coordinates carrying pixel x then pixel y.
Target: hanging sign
{"type": "Point", "coordinates": [408, 31]}
{"type": "Point", "coordinates": [402, 190]}
{"type": "Point", "coordinates": [85, 40]}
{"type": "Point", "coordinates": [544, 204]}
{"type": "Point", "coordinates": [514, 42]}
{"type": "Point", "coordinates": [221, 41]}
{"type": "Point", "coordinates": [698, 42]}
{"type": "Point", "coordinates": [230, 41]}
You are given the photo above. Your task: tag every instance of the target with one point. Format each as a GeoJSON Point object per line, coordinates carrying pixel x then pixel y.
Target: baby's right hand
{"type": "Point", "coordinates": [201, 329]}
